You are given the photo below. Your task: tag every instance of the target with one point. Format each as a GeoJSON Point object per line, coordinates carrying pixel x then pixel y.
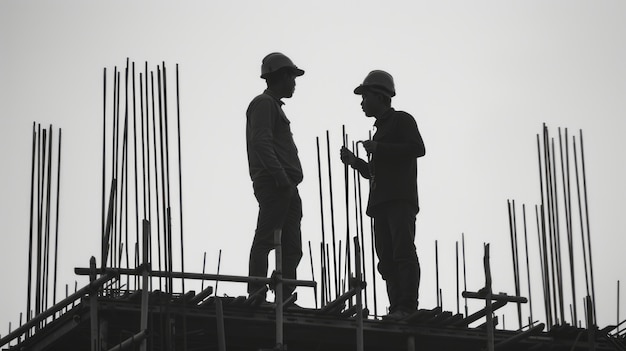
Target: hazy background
{"type": "Point", "coordinates": [480, 78]}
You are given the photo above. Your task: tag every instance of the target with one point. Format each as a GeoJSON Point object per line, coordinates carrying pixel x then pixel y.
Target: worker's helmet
{"type": "Point", "coordinates": [377, 81]}
{"type": "Point", "coordinates": [275, 61]}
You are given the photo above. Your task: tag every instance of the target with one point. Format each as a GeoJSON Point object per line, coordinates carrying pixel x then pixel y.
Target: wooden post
{"type": "Point", "coordinates": [143, 324]}
{"type": "Point", "coordinates": [359, 305]}
{"type": "Point", "coordinates": [488, 292]}
{"type": "Point", "coordinates": [93, 306]}
{"type": "Point", "coordinates": [279, 289]}
{"type": "Point", "coordinates": [219, 314]}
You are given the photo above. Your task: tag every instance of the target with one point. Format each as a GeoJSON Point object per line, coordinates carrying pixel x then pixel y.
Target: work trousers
{"type": "Point", "coordinates": [279, 208]}
{"type": "Point", "coordinates": [394, 228]}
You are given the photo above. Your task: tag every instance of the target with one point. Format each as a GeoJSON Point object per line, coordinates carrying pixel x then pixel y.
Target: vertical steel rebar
{"type": "Point", "coordinates": [136, 173]}
{"type": "Point", "coordinates": [359, 211]}
{"type": "Point", "coordinates": [180, 182]}
{"type": "Point", "coordinates": [437, 275]}
{"type": "Point", "coordinates": [156, 177]}
{"type": "Point", "coordinates": [312, 272]}
{"type": "Point", "coordinates": [464, 272]}
{"type": "Point", "coordinates": [323, 243]}
{"type": "Point", "coordinates": [581, 218]}
{"type": "Point", "coordinates": [56, 231]}
{"type": "Point", "coordinates": [347, 201]}
{"type": "Point", "coordinates": [332, 217]}
{"type": "Point", "coordinates": [30, 229]}
{"type": "Point", "coordinates": [593, 288]}
{"type": "Point", "coordinates": [104, 136]}
{"type": "Point", "coordinates": [530, 303]}
{"type": "Point", "coordinates": [458, 303]}
{"type": "Point", "coordinates": [219, 264]}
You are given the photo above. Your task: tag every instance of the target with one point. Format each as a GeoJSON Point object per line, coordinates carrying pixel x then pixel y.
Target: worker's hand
{"type": "Point", "coordinates": [347, 156]}
{"type": "Point", "coordinates": [370, 146]}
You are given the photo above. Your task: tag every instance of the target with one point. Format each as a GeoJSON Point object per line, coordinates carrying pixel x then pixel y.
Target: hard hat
{"type": "Point", "coordinates": [275, 61]}
{"type": "Point", "coordinates": [378, 81]}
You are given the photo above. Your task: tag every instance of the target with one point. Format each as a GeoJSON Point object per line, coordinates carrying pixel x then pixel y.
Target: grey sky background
{"type": "Point", "coordinates": [480, 78]}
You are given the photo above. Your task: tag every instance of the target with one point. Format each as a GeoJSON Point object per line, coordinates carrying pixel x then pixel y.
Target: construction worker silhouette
{"type": "Point", "coordinates": [275, 171]}
{"type": "Point", "coordinates": [393, 199]}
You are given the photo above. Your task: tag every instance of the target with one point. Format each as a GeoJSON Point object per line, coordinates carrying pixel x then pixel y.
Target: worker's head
{"type": "Point", "coordinates": [376, 91]}
{"type": "Point", "coordinates": [280, 74]}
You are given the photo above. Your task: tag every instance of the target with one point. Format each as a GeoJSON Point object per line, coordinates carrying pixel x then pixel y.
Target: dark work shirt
{"type": "Point", "coordinates": [271, 149]}
{"type": "Point", "coordinates": [393, 167]}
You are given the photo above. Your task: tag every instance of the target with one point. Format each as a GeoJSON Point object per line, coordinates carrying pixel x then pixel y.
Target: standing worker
{"type": "Point", "coordinates": [276, 171]}
{"type": "Point", "coordinates": [393, 203]}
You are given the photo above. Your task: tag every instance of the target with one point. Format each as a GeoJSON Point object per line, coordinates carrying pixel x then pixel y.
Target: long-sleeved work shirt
{"type": "Point", "coordinates": [271, 149]}
{"type": "Point", "coordinates": [392, 169]}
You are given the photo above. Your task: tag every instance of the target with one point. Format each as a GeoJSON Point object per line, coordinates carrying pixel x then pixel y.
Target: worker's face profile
{"type": "Point", "coordinates": [289, 83]}
{"type": "Point", "coordinates": [369, 103]}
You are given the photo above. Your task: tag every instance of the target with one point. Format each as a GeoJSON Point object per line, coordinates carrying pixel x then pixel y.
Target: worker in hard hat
{"type": "Point", "coordinates": [275, 171]}
{"type": "Point", "coordinates": [393, 201]}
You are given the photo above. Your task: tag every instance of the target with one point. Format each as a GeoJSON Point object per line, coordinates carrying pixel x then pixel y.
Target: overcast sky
{"type": "Point", "coordinates": [480, 78]}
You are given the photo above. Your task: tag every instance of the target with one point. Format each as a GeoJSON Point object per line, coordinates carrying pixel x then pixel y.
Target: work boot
{"type": "Point", "coordinates": [397, 315]}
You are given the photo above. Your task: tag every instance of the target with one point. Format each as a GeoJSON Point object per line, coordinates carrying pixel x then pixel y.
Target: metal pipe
{"type": "Point", "coordinates": [502, 345]}
{"type": "Point", "coordinates": [132, 341]}
{"type": "Point", "coordinates": [196, 276]}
